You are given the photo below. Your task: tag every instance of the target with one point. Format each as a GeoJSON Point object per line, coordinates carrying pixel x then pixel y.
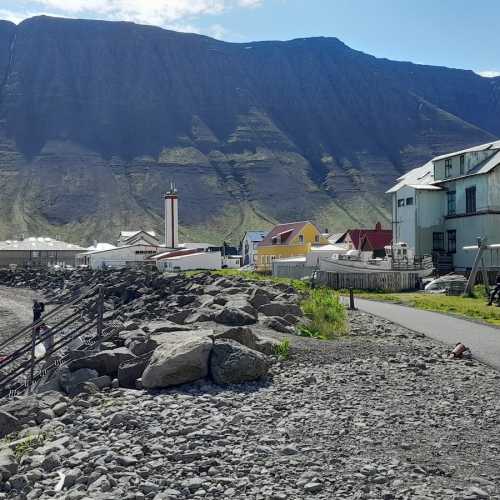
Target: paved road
{"type": "Point", "coordinates": [483, 340]}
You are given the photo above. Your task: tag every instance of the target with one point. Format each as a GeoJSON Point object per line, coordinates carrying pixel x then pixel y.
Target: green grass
{"type": "Point", "coordinates": [282, 350]}
{"type": "Point", "coordinates": [468, 307]}
{"type": "Point", "coordinates": [327, 316]}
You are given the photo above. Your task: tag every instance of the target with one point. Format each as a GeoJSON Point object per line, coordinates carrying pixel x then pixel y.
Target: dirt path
{"type": "Point", "coordinates": [15, 310]}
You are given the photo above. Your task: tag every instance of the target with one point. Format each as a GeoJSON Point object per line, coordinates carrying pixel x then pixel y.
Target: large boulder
{"type": "Point", "coordinates": [72, 382]}
{"type": "Point", "coordinates": [234, 363]}
{"type": "Point", "coordinates": [280, 309]}
{"type": "Point", "coordinates": [260, 297]}
{"type": "Point", "coordinates": [105, 362]}
{"type": "Point", "coordinates": [178, 361]}
{"type": "Point", "coordinates": [237, 313]}
{"type": "Point", "coordinates": [278, 324]}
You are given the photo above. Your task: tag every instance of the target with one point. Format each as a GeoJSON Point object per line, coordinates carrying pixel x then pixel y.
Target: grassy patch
{"type": "Point", "coordinates": [282, 350]}
{"type": "Point", "coordinates": [468, 307]}
{"type": "Point", "coordinates": [327, 316]}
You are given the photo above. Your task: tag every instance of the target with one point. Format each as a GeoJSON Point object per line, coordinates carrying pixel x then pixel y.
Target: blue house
{"type": "Point", "coordinates": [249, 246]}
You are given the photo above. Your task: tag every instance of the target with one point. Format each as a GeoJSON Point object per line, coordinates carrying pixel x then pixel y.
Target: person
{"type": "Point", "coordinates": [47, 337]}
{"type": "Point", "coordinates": [495, 292]}
{"type": "Point", "coordinates": [38, 308]}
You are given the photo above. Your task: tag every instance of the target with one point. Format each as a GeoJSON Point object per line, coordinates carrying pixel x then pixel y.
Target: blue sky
{"type": "Point", "coordinates": [454, 33]}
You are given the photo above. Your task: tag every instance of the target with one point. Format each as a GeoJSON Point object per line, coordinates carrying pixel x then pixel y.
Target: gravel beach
{"type": "Point", "coordinates": [380, 414]}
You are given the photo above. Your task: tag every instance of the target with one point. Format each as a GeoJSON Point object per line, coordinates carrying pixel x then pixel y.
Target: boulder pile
{"type": "Point", "coordinates": [169, 330]}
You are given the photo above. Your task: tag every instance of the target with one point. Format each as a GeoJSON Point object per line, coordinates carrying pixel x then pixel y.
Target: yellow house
{"type": "Point", "coordinates": [287, 240]}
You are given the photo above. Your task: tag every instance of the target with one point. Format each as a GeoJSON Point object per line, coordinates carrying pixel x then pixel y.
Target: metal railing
{"type": "Point", "coordinates": [23, 360]}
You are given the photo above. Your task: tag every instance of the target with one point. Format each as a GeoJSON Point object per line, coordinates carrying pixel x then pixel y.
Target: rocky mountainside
{"type": "Point", "coordinates": [97, 117]}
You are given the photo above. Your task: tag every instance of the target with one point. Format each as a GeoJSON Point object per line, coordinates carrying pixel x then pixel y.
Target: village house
{"type": "Point", "coordinates": [248, 246]}
{"type": "Point", "coordinates": [367, 240]}
{"type": "Point", "coordinates": [448, 203]}
{"type": "Point", "coordinates": [38, 252]}
{"type": "Point", "coordinates": [293, 239]}
{"type": "Point", "coordinates": [138, 237]}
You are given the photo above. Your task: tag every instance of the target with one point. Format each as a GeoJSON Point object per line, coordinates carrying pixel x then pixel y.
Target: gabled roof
{"type": "Point", "coordinates": [255, 236]}
{"type": "Point", "coordinates": [288, 231]}
{"type": "Point", "coordinates": [370, 239]}
{"type": "Point", "coordinates": [481, 147]}
{"type": "Point", "coordinates": [424, 175]}
{"type": "Point", "coordinates": [128, 234]}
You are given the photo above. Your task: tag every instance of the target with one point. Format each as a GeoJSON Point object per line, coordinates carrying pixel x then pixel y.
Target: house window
{"type": "Point", "coordinates": [301, 238]}
{"type": "Point", "coordinates": [316, 238]}
{"type": "Point", "coordinates": [462, 164]}
{"type": "Point", "coordinates": [275, 240]}
{"type": "Point", "coordinates": [470, 200]}
{"type": "Point", "coordinates": [452, 241]}
{"type": "Point", "coordinates": [447, 167]}
{"type": "Point", "coordinates": [409, 201]}
{"type": "Point", "coordinates": [401, 202]}
{"type": "Point", "coordinates": [438, 242]}
{"type": "Point", "coordinates": [452, 202]}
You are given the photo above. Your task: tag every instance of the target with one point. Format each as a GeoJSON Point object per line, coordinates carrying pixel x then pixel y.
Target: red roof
{"type": "Point", "coordinates": [285, 233]}
{"type": "Point", "coordinates": [370, 239]}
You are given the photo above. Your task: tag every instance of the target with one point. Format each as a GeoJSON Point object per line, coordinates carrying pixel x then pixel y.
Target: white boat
{"type": "Point", "coordinates": [399, 258]}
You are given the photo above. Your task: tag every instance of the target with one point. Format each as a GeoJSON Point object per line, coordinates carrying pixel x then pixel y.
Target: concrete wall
{"type": "Point", "coordinates": [122, 256]}
{"type": "Point", "coordinates": [44, 258]}
{"type": "Point", "coordinates": [206, 260]}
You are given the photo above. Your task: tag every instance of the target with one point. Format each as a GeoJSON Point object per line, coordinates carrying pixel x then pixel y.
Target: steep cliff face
{"type": "Point", "coordinates": [97, 117]}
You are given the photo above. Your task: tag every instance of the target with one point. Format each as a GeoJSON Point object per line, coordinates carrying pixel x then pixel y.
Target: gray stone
{"type": "Point", "coordinates": [280, 309]}
{"type": "Point", "coordinates": [247, 337]}
{"type": "Point", "coordinates": [234, 315]}
{"type": "Point", "coordinates": [130, 371]}
{"type": "Point", "coordinates": [178, 362]}
{"type": "Point", "coordinates": [72, 382]}
{"type": "Point", "coordinates": [105, 362]}
{"type": "Point", "coordinates": [8, 424]}
{"type": "Point", "coordinates": [8, 464]}
{"type": "Point", "coordinates": [234, 363]}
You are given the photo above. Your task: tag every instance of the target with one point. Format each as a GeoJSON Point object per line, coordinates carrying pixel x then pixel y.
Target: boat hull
{"type": "Point", "coordinates": [343, 266]}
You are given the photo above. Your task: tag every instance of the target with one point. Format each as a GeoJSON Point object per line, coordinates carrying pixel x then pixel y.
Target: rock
{"type": "Point", "coordinates": [260, 297]}
{"type": "Point", "coordinates": [155, 327]}
{"type": "Point", "coordinates": [105, 362]}
{"type": "Point", "coordinates": [280, 309]}
{"type": "Point", "coordinates": [8, 464]}
{"type": "Point", "coordinates": [235, 316]}
{"type": "Point", "coordinates": [72, 382]}
{"type": "Point", "coordinates": [130, 371]}
{"type": "Point", "coordinates": [101, 382]}
{"type": "Point", "coordinates": [278, 324]}
{"type": "Point", "coordinates": [8, 424]}
{"type": "Point", "coordinates": [178, 362]}
{"type": "Point", "coordinates": [138, 348]}
{"type": "Point", "coordinates": [247, 337]}
{"type": "Point", "coordinates": [234, 363]}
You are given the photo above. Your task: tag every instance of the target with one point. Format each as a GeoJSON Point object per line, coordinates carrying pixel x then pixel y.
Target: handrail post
{"type": "Point", "coordinates": [32, 364]}
{"type": "Point", "coordinates": [100, 311]}
{"type": "Point", "coordinates": [352, 307]}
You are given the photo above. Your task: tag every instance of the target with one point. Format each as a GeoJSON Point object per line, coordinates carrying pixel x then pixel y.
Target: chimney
{"type": "Point", "coordinates": [171, 218]}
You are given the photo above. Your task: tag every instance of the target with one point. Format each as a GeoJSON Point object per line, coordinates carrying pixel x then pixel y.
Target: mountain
{"type": "Point", "coordinates": [97, 117]}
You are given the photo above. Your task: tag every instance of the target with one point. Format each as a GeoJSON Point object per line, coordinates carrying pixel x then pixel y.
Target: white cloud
{"type": "Point", "coordinates": [488, 73]}
{"type": "Point", "coordinates": [156, 12]}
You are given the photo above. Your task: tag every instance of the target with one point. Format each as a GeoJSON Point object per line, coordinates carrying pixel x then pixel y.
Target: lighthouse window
{"type": "Point", "coordinates": [409, 201]}
{"type": "Point", "coordinates": [401, 202]}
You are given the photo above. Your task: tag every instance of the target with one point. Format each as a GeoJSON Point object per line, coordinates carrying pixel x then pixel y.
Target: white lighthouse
{"type": "Point", "coordinates": [171, 218]}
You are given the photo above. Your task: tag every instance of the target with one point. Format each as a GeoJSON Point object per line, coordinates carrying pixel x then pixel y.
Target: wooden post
{"type": "Point", "coordinates": [32, 365]}
{"type": "Point", "coordinates": [481, 245]}
{"type": "Point", "coordinates": [100, 310]}
{"type": "Point", "coordinates": [352, 307]}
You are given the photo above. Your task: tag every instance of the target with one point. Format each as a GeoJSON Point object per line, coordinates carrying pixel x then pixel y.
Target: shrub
{"type": "Point", "coordinates": [328, 317]}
